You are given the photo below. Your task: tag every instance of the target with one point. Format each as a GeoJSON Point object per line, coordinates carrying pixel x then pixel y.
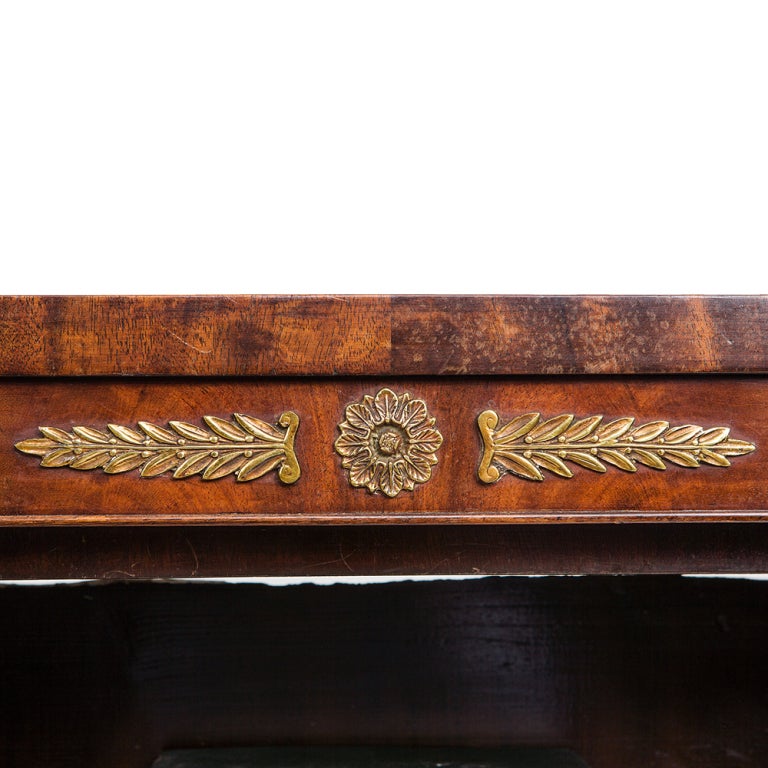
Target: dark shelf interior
{"type": "Point", "coordinates": [637, 672]}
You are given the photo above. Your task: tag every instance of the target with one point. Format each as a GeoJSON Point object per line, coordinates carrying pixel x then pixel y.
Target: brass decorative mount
{"type": "Point", "coordinates": [526, 445]}
{"type": "Point", "coordinates": [246, 447]}
{"type": "Point", "coordinates": [388, 442]}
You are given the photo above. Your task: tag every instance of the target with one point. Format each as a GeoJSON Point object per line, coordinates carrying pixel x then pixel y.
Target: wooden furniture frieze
{"type": "Point", "coordinates": [400, 450]}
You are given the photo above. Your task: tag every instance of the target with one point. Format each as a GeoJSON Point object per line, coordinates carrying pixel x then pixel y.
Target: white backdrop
{"type": "Point", "coordinates": [405, 146]}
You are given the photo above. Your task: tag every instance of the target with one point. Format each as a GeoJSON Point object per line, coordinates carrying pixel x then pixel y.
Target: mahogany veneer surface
{"type": "Point", "coordinates": [381, 335]}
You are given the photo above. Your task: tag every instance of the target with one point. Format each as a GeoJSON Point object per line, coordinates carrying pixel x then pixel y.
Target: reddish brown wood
{"type": "Point", "coordinates": [199, 336]}
{"type": "Point", "coordinates": [201, 552]}
{"type": "Point", "coordinates": [579, 334]}
{"type": "Point", "coordinates": [30, 494]}
{"type": "Point", "coordinates": [381, 335]}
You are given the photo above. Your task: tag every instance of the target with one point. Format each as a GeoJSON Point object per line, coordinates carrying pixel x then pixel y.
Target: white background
{"type": "Point", "coordinates": [326, 146]}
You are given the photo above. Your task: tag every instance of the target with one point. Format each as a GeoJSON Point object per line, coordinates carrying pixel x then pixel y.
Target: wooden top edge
{"type": "Point", "coordinates": [290, 335]}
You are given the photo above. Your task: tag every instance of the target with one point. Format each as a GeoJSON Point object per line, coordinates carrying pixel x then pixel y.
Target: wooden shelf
{"type": "Point", "coordinates": [642, 671]}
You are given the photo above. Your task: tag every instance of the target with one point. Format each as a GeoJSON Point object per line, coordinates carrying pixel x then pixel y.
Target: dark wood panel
{"type": "Point", "coordinates": [381, 335]}
{"type": "Point", "coordinates": [323, 495]}
{"type": "Point", "coordinates": [639, 673]}
{"type": "Point", "coordinates": [190, 552]}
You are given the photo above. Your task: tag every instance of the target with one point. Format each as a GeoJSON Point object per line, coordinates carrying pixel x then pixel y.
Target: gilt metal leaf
{"type": "Point", "coordinates": [526, 445]}
{"type": "Point", "coordinates": [246, 446]}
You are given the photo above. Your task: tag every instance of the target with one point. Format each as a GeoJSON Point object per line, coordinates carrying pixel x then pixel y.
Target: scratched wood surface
{"type": "Point", "coordinates": [30, 494]}
{"type": "Point", "coordinates": [649, 672]}
{"type": "Point", "coordinates": [380, 335]}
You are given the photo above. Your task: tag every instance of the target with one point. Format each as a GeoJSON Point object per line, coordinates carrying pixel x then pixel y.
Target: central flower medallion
{"type": "Point", "coordinates": [388, 443]}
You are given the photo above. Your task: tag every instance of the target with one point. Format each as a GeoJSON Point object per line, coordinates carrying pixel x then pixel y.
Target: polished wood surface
{"type": "Point", "coordinates": [381, 335]}
{"type": "Point", "coordinates": [658, 672]}
{"type": "Point", "coordinates": [31, 494]}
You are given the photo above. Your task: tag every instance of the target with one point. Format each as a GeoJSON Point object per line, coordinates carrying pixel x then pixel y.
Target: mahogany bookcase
{"type": "Point", "coordinates": [146, 440]}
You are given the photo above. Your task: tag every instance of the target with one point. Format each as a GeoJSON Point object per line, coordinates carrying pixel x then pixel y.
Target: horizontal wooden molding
{"type": "Point", "coordinates": [381, 335]}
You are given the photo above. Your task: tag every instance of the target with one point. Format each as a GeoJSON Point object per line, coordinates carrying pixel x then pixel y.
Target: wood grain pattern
{"type": "Point", "coordinates": [200, 335]}
{"type": "Point", "coordinates": [630, 673]}
{"type": "Point", "coordinates": [30, 494]}
{"type": "Point", "coordinates": [381, 335]}
{"type": "Point", "coordinates": [490, 335]}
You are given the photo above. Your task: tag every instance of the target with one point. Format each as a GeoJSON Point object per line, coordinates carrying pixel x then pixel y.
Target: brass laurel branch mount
{"type": "Point", "coordinates": [526, 445]}
{"type": "Point", "coordinates": [245, 447]}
